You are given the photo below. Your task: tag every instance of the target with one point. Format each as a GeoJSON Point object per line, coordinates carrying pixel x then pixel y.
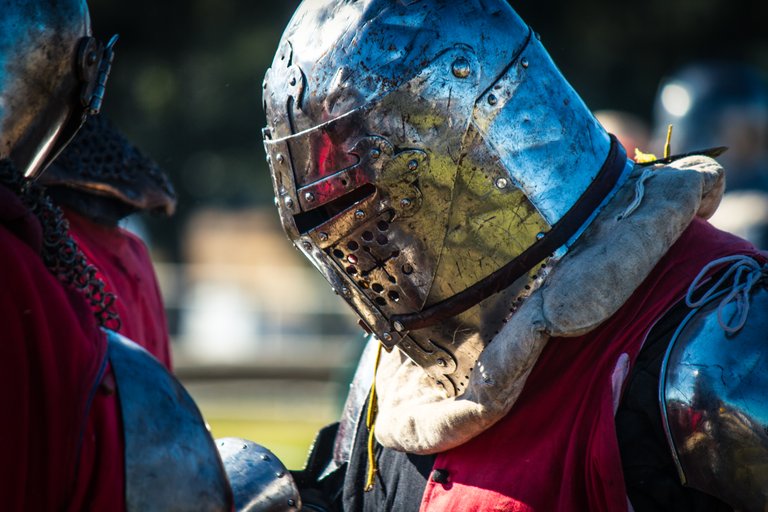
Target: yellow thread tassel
{"type": "Point", "coordinates": [372, 469]}
{"type": "Point", "coordinates": [370, 419]}
{"type": "Point", "coordinates": [668, 144]}
{"type": "Point", "coordinates": [644, 158]}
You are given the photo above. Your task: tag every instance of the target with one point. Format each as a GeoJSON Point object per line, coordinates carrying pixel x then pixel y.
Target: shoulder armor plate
{"type": "Point", "coordinates": [713, 393]}
{"type": "Point", "coordinates": [260, 482]}
{"type": "Point", "coordinates": [171, 460]}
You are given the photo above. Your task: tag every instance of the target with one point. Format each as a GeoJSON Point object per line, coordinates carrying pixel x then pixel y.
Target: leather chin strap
{"type": "Point", "coordinates": [557, 236]}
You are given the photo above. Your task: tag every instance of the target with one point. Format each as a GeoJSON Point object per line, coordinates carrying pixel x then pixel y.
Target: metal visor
{"type": "Point", "coordinates": [367, 195]}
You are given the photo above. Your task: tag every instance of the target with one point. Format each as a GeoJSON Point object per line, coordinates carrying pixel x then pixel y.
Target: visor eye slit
{"type": "Point", "coordinates": [311, 219]}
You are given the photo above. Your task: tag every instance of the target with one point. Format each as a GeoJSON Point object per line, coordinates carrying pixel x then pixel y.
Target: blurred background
{"type": "Point", "coordinates": [259, 339]}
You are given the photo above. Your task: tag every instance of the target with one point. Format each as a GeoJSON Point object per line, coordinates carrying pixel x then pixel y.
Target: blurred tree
{"type": "Point", "coordinates": [186, 87]}
{"type": "Point", "coordinates": [186, 84]}
{"type": "Point", "coordinates": [615, 53]}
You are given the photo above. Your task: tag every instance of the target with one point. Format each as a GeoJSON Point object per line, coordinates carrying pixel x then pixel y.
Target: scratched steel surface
{"type": "Point", "coordinates": [416, 148]}
{"type": "Point", "coordinates": [39, 82]}
{"type": "Point", "coordinates": [713, 398]}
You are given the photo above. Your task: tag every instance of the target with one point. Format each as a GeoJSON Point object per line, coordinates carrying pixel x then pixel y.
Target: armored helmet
{"type": "Point", "coordinates": [52, 74]}
{"type": "Point", "coordinates": [432, 162]}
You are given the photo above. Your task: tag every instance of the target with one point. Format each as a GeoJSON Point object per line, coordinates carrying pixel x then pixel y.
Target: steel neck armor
{"type": "Point", "coordinates": [100, 162]}
{"type": "Point", "coordinates": [52, 74]}
{"type": "Point", "coordinates": [426, 155]}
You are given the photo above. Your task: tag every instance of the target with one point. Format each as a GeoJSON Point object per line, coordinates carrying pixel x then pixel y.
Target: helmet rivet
{"type": "Point", "coordinates": [323, 236]}
{"type": "Point", "coordinates": [375, 153]}
{"type": "Point", "coordinates": [413, 165]}
{"type": "Point", "coordinates": [291, 503]}
{"type": "Point", "coordinates": [441, 362]}
{"type": "Point", "coordinates": [345, 291]}
{"type": "Point", "coordinates": [405, 202]}
{"type": "Point", "coordinates": [309, 196]}
{"type": "Point", "coordinates": [289, 202]}
{"type": "Point", "coordinates": [492, 99]}
{"type": "Point", "coordinates": [293, 80]}
{"type": "Point", "coordinates": [307, 246]}
{"type": "Point", "coordinates": [524, 62]}
{"type": "Point", "coordinates": [539, 236]}
{"type": "Point", "coordinates": [460, 68]}
{"type": "Point", "coordinates": [280, 158]}
{"type": "Point", "coordinates": [501, 183]}
{"type": "Point", "coordinates": [352, 259]}
{"type": "Point", "coordinates": [359, 214]}
{"type": "Point", "coordinates": [386, 336]}
{"type": "Point", "coordinates": [398, 326]}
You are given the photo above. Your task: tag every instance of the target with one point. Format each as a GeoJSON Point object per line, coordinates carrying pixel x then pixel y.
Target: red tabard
{"type": "Point", "coordinates": [60, 438]}
{"type": "Point", "coordinates": [126, 269]}
{"type": "Point", "coordinates": [556, 450]}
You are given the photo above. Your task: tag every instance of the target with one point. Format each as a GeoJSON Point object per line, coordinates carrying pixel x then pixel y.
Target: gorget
{"type": "Point", "coordinates": [597, 276]}
{"type": "Point", "coordinates": [101, 162]}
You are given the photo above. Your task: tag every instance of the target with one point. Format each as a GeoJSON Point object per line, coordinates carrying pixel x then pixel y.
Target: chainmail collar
{"type": "Point", "coordinates": [100, 161]}
{"type": "Point", "coordinates": [59, 252]}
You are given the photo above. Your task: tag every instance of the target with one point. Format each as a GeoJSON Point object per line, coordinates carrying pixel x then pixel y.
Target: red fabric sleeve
{"type": "Point", "coordinates": [51, 357]}
{"type": "Point", "coordinates": [126, 268]}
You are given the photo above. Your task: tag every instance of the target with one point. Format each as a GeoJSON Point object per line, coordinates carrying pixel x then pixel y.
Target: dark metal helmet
{"type": "Point", "coordinates": [432, 162]}
{"type": "Point", "coordinates": [52, 73]}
